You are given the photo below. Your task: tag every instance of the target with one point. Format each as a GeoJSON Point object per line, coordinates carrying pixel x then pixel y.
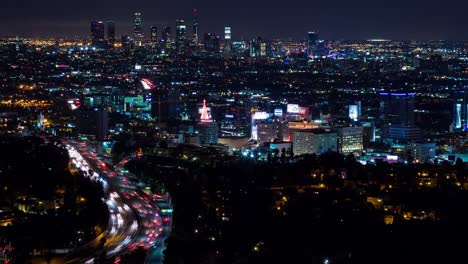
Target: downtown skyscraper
{"type": "Point", "coordinates": [111, 33]}
{"type": "Point", "coordinates": [195, 26]}
{"type": "Point", "coordinates": [181, 34]}
{"type": "Point", "coordinates": [138, 31]}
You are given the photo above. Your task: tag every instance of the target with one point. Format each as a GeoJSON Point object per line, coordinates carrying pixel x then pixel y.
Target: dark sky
{"type": "Point", "coordinates": [334, 19]}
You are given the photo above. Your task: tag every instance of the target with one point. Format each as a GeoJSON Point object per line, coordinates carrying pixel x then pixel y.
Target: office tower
{"type": "Point", "coordinates": [165, 106]}
{"type": "Point", "coordinates": [97, 34]}
{"type": "Point", "coordinates": [355, 111]}
{"type": "Point", "coordinates": [138, 30]}
{"type": "Point", "coordinates": [181, 34]}
{"type": "Point", "coordinates": [111, 33]}
{"type": "Point", "coordinates": [422, 151]}
{"type": "Point", "coordinates": [312, 44]}
{"type": "Point", "coordinates": [254, 47]}
{"type": "Point", "coordinates": [126, 42]}
{"type": "Point", "coordinates": [40, 121]}
{"type": "Point", "coordinates": [166, 40]}
{"type": "Point", "coordinates": [460, 110]}
{"type": "Point", "coordinates": [315, 141]}
{"type": "Point", "coordinates": [398, 108]}
{"type": "Point", "coordinates": [102, 124]}
{"type": "Point", "coordinates": [211, 41]}
{"type": "Point", "coordinates": [207, 128]}
{"type": "Point", "coordinates": [195, 26]}
{"type": "Point", "coordinates": [154, 36]}
{"type": "Point", "coordinates": [269, 131]}
{"type": "Point", "coordinates": [227, 41]}
{"type": "Point", "coordinates": [350, 140]}
{"type": "Point", "coordinates": [398, 116]}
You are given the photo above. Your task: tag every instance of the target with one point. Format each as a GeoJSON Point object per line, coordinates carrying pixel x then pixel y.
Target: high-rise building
{"type": "Point", "coordinates": [422, 152]}
{"type": "Point", "coordinates": [126, 43]}
{"type": "Point", "coordinates": [314, 141]}
{"type": "Point", "coordinates": [398, 116]}
{"type": "Point", "coordinates": [211, 41]}
{"type": "Point", "coordinates": [111, 33]}
{"type": "Point", "coordinates": [138, 30]}
{"type": "Point", "coordinates": [195, 26]}
{"type": "Point", "coordinates": [398, 108]}
{"type": "Point", "coordinates": [207, 128]}
{"type": "Point", "coordinates": [350, 140]}
{"type": "Point", "coordinates": [227, 41]}
{"type": "Point", "coordinates": [181, 34]}
{"type": "Point", "coordinates": [102, 124]}
{"type": "Point", "coordinates": [460, 110]}
{"type": "Point", "coordinates": [312, 44]}
{"type": "Point", "coordinates": [166, 40]}
{"type": "Point", "coordinates": [269, 131]}
{"type": "Point", "coordinates": [97, 34]}
{"type": "Point", "coordinates": [154, 36]}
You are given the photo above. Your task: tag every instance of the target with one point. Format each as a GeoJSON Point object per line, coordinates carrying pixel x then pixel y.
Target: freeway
{"type": "Point", "coordinates": [135, 220]}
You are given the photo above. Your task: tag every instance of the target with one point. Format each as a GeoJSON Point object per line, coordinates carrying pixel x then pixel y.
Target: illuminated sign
{"type": "Point", "coordinates": [278, 112]}
{"type": "Point", "coordinates": [260, 116]}
{"type": "Point", "coordinates": [293, 109]}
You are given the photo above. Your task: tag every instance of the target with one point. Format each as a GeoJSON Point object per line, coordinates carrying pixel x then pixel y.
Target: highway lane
{"type": "Point", "coordinates": [123, 222]}
{"type": "Point", "coordinates": [135, 220]}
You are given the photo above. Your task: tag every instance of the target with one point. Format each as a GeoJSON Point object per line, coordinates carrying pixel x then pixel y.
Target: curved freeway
{"type": "Point", "coordinates": [135, 221]}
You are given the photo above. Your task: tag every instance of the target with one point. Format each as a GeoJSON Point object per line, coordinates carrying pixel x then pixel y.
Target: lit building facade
{"type": "Point", "coordinates": [350, 140]}
{"type": "Point", "coordinates": [314, 141]}
{"type": "Point", "coordinates": [207, 128]}
{"type": "Point", "coordinates": [460, 110]}
{"type": "Point", "coordinates": [181, 34]}
{"type": "Point", "coordinates": [138, 30]}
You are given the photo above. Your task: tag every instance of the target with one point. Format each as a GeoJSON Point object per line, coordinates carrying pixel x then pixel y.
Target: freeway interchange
{"type": "Point", "coordinates": [135, 220]}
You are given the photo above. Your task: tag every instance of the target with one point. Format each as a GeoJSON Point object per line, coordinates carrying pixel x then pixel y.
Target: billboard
{"type": "Point", "coordinates": [278, 112]}
{"type": "Point", "coordinates": [293, 109]}
{"type": "Point", "coordinates": [260, 116]}
{"type": "Point", "coordinates": [353, 112]}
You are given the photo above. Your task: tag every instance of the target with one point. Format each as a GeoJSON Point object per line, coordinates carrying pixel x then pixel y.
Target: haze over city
{"type": "Point", "coordinates": [362, 19]}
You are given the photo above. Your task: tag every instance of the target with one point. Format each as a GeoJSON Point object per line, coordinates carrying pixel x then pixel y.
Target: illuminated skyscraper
{"type": "Point", "coordinates": [227, 41]}
{"type": "Point", "coordinates": [154, 36]}
{"type": "Point", "coordinates": [460, 110]}
{"type": "Point", "coordinates": [207, 128]}
{"type": "Point", "coordinates": [138, 30]}
{"type": "Point", "coordinates": [181, 34]}
{"type": "Point", "coordinates": [195, 26]}
{"type": "Point", "coordinates": [111, 33]}
{"type": "Point", "coordinates": [166, 40]}
{"type": "Point", "coordinates": [350, 140]}
{"type": "Point", "coordinates": [97, 34]}
{"type": "Point", "coordinates": [312, 44]}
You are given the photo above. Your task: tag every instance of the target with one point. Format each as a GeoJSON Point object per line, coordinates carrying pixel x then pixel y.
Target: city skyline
{"type": "Point", "coordinates": [363, 20]}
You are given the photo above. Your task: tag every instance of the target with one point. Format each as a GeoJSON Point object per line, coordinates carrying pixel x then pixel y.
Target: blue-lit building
{"type": "Point", "coordinates": [398, 117]}
{"type": "Point", "coordinates": [460, 110]}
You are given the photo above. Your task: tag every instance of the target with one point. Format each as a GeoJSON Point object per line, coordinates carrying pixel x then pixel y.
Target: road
{"type": "Point", "coordinates": [135, 219]}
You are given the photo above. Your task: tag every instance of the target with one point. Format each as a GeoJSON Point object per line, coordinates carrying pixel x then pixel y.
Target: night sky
{"type": "Point", "coordinates": [338, 19]}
